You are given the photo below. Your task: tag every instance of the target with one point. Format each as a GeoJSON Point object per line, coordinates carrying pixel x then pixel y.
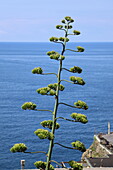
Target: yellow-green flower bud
{"type": "Point", "coordinates": [73, 78]}
{"type": "Point", "coordinates": [59, 26]}
{"type": "Point", "coordinates": [51, 52]}
{"type": "Point", "coordinates": [51, 86]}
{"type": "Point", "coordinates": [64, 39]}
{"type": "Point", "coordinates": [52, 92]}
{"type": "Point", "coordinates": [37, 70]}
{"type": "Point", "coordinates": [42, 165]}
{"type": "Point", "coordinates": [81, 105]}
{"type": "Point", "coordinates": [77, 80]}
{"type": "Point", "coordinates": [44, 134]}
{"type": "Point", "coordinates": [76, 32]}
{"type": "Point", "coordinates": [75, 165]}
{"type": "Point", "coordinates": [79, 146]}
{"type": "Point", "coordinates": [63, 21]}
{"type": "Point", "coordinates": [79, 117]}
{"type": "Point", "coordinates": [61, 39]}
{"type": "Point", "coordinates": [54, 39]}
{"type": "Point", "coordinates": [49, 123]}
{"type": "Point", "coordinates": [68, 27]}
{"type": "Point", "coordinates": [29, 106]}
{"type": "Point", "coordinates": [61, 87]}
{"type": "Point", "coordinates": [19, 147]}
{"type": "Point", "coordinates": [41, 133]}
{"type": "Point", "coordinates": [62, 57]}
{"type": "Point", "coordinates": [80, 49]}
{"type": "Point", "coordinates": [75, 69]}
{"type": "Point", "coordinates": [43, 90]}
{"type": "Point", "coordinates": [71, 20]}
{"type": "Point", "coordinates": [67, 18]}
{"type": "Point", "coordinates": [55, 56]}
{"type": "Point", "coordinates": [80, 81]}
{"type": "Point", "coordinates": [55, 85]}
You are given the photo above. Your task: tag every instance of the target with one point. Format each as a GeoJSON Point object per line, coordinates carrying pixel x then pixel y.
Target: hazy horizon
{"type": "Point", "coordinates": [26, 21]}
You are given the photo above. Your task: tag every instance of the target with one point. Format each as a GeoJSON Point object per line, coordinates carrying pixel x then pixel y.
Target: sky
{"type": "Point", "coordinates": [35, 20]}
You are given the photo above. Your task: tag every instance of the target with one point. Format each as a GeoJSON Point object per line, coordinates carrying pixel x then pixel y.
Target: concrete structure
{"type": "Point", "coordinates": [107, 168]}
{"type": "Point", "coordinates": [103, 145]}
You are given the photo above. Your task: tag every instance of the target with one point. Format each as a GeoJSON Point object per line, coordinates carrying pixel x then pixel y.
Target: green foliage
{"type": "Point", "coordinates": [80, 49]}
{"type": "Point", "coordinates": [42, 165]}
{"type": "Point", "coordinates": [55, 85]}
{"type": "Point", "coordinates": [79, 117]}
{"type": "Point", "coordinates": [54, 39]}
{"type": "Point", "coordinates": [29, 106]}
{"type": "Point", "coordinates": [76, 32]}
{"type": "Point", "coordinates": [64, 39]}
{"type": "Point", "coordinates": [79, 146]}
{"type": "Point", "coordinates": [44, 134]}
{"type": "Point", "coordinates": [62, 57]}
{"type": "Point", "coordinates": [37, 70]}
{"type": "Point", "coordinates": [77, 80]}
{"type": "Point", "coordinates": [59, 26]}
{"type": "Point", "coordinates": [75, 165]}
{"type": "Point", "coordinates": [75, 69]}
{"type": "Point", "coordinates": [81, 105]}
{"type": "Point", "coordinates": [50, 90]}
{"type": "Point", "coordinates": [53, 55]}
{"type": "Point", "coordinates": [19, 147]}
{"type": "Point", "coordinates": [52, 93]}
{"type": "Point", "coordinates": [49, 123]}
{"type": "Point", "coordinates": [63, 21]}
{"type": "Point", "coordinates": [51, 52]}
{"type": "Point", "coordinates": [68, 26]}
{"type": "Point", "coordinates": [44, 91]}
{"type": "Point", "coordinates": [69, 19]}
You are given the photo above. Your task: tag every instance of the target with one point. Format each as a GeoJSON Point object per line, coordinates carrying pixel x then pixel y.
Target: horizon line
{"type": "Point", "coordinates": [49, 42]}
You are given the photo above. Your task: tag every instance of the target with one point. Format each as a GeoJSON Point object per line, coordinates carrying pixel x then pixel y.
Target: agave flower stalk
{"type": "Point", "coordinates": [53, 90]}
{"type": "Point", "coordinates": [63, 41]}
{"type": "Point", "coordinates": [56, 102]}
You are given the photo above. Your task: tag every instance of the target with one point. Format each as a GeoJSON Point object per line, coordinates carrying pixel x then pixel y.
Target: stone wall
{"type": "Point", "coordinates": [95, 150]}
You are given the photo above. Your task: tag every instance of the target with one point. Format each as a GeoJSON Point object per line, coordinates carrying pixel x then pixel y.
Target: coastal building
{"type": "Point", "coordinates": [100, 153]}
{"type": "Point", "coordinates": [100, 162]}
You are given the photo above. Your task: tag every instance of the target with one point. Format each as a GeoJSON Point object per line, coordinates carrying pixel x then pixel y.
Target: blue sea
{"type": "Point", "coordinates": [19, 85]}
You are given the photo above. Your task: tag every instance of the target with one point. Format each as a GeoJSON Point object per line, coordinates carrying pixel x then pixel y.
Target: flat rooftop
{"type": "Point", "coordinates": [109, 138]}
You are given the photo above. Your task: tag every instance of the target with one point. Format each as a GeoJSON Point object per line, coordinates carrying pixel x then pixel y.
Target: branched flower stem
{"type": "Point", "coordinates": [66, 119]}
{"type": "Point", "coordinates": [53, 90]}
{"type": "Point", "coordinates": [64, 146]}
{"type": "Point", "coordinates": [56, 104]}
{"type": "Point", "coordinates": [63, 30]}
{"type": "Point", "coordinates": [68, 81]}
{"type": "Point", "coordinates": [66, 69]}
{"type": "Point", "coordinates": [56, 163]}
{"type": "Point", "coordinates": [72, 50]}
{"type": "Point", "coordinates": [59, 42]}
{"type": "Point", "coordinates": [37, 152]}
{"type": "Point", "coordinates": [49, 74]}
{"type": "Point", "coordinates": [68, 105]}
{"type": "Point", "coordinates": [71, 34]}
{"type": "Point", "coordinates": [44, 110]}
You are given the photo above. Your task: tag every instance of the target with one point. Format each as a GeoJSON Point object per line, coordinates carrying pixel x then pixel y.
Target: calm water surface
{"type": "Point", "coordinates": [18, 85]}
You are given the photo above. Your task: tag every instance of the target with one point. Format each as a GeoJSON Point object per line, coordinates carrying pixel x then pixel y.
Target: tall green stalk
{"type": "Point", "coordinates": [56, 106]}
{"type": "Point", "coordinates": [53, 90]}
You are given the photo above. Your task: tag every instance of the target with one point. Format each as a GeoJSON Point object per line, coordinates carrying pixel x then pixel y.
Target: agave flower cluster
{"type": "Point", "coordinates": [53, 90]}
